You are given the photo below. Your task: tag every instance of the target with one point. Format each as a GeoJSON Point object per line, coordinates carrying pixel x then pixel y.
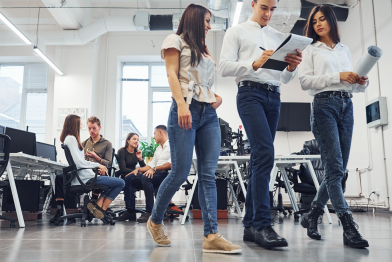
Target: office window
{"type": "Point", "coordinates": [23, 90]}
{"type": "Point", "coordinates": [146, 100]}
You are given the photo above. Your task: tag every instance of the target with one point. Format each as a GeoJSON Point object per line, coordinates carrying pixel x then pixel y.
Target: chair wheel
{"type": "Point", "coordinates": [83, 225]}
{"type": "Point", "coordinates": [296, 217]}
{"type": "Point", "coordinates": [112, 223]}
{"type": "Point", "coordinates": [12, 225]}
{"type": "Point", "coordinates": [89, 219]}
{"type": "Point", "coordinates": [187, 218]}
{"type": "Point", "coordinates": [72, 220]}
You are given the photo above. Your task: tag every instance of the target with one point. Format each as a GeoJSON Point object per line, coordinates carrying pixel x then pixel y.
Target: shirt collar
{"type": "Point", "coordinates": [255, 24]}
{"type": "Point", "coordinates": [166, 144]}
{"type": "Point", "coordinates": [100, 140]}
{"type": "Point", "coordinates": [319, 43]}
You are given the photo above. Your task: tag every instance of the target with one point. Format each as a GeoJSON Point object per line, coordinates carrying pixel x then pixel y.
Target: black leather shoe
{"type": "Point", "coordinates": [249, 234]}
{"type": "Point", "coordinates": [144, 217]}
{"type": "Point", "coordinates": [351, 236]}
{"type": "Point", "coordinates": [59, 213]}
{"type": "Point", "coordinates": [127, 216]}
{"type": "Point", "coordinates": [310, 221]}
{"type": "Point", "coordinates": [268, 238]}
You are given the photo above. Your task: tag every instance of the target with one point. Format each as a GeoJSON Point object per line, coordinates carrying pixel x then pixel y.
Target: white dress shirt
{"type": "Point", "coordinates": [320, 69]}
{"type": "Point", "coordinates": [80, 162]}
{"type": "Point", "coordinates": [161, 155]}
{"type": "Point", "coordinates": [241, 47]}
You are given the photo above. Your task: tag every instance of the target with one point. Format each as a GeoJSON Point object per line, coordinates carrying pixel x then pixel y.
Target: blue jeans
{"type": "Point", "coordinates": [115, 186]}
{"type": "Point", "coordinates": [259, 111]}
{"type": "Point", "coordinates": [142, 182]}
{"type": "Point", "coordinates": [332, 123]}
{"type": "Point", "coordinates": [205, 137]}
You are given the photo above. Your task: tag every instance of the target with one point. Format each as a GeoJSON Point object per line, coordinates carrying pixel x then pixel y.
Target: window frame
{"type": "Point", "coordinates": [151, 90]}
{"type": "Point", "coordinates": [23, 103]}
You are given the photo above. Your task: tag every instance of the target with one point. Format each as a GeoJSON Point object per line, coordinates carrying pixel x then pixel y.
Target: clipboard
{"type": "Point", "coordinates": [288, 46]}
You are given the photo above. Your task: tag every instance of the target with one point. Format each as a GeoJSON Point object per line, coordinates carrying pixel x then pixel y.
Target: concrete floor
{"type": "Point", "coordinates": [130, 241]}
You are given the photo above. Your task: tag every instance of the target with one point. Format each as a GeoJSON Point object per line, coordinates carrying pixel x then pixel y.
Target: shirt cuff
{"type": "Point", "coordinates": [335, 78]}
{"type": "Point", "coordinates": [151, 165]}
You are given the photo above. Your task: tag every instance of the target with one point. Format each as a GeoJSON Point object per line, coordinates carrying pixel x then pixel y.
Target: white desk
{"type": "Point", "coordinates": [25, 163]}
{"type": "Point", "coordinates": [232, 163]}
{"type": "Point", "coordinates": [283, 161]}
{"type": "Point", "coordinates": [225, 163]}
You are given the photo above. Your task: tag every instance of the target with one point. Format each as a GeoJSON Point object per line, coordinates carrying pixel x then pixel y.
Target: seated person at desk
{"type": "Point", "coordinates": [97, 149]}
{"type": "Point", "coordinates": [148, 177]}
{"type": "Point", "coordinates": [70, 136]}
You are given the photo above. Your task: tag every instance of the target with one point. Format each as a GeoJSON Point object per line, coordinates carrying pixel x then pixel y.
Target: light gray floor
{"type": "Point", "coordinates": [130, 241]}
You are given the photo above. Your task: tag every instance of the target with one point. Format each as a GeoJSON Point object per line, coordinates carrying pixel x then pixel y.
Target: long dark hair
{"type": "Point", "coordinates": [129, 136]}
{"type": "Point", "coordinates": [71, 128]}
{"type": "Point", "coordinates": [329, 14]}
{"type": "Point", "coordinates": [192, 27]}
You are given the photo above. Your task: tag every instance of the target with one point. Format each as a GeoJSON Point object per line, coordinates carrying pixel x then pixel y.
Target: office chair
{"type": "Point", "coordinates": [77, 190]}
{"type": "Point", "coordinates": [307, 188]}
{"type": "Point", "coordinates": [4, 159]}
{"type": "Point", "coordinates": [112, 169]}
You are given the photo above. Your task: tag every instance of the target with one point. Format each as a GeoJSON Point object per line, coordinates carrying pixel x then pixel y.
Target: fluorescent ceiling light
{"type": "Point", "coordinates": [47, 60]}
{"type": "Point", "coordinates": [16, 30]}
{"type": "Point", "coordinates": [237, 13]}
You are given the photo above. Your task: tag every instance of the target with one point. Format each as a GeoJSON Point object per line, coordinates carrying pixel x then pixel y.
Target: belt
{"type": "Point", "coordinates": [258, 85]}
{"type": "Point", "coordinates": [337, 93]}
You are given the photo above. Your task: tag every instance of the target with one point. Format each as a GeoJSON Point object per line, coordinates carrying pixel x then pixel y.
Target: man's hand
{"type": "Point", "coordinates": [149, 173]}
{"type": "Point", "coordinates": [264, 57]}
{"type": "Point", "coordinates": [102, 170]}
{"type": "Point", "coordinates": [350, 77]}
{"type": "Point", "coordinates": [293, 60]}
{"type": "Point", "coordinates": [93, 155]}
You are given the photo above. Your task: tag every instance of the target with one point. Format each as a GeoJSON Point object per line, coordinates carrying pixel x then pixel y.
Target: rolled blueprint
{"type": "Point", "coordinates": [368, 60]}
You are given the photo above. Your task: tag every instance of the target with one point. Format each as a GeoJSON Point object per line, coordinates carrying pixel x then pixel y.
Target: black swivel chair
{"type": "Point", "coordinates": [306, 187]}
{"type": "Point", "coordinates": [4, 158]}
{"type": "Point", "coordinates": [77, 190]}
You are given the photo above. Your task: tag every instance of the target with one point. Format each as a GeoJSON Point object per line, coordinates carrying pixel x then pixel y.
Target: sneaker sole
{"type": "Point", "coordinates": [94, 211]}
{"type": "Point", "coordinates": [149, 231]}
{"type": "Point", "coordinates": [235, 251]}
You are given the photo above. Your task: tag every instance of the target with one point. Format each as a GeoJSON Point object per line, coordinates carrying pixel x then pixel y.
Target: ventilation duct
{"type": "Point", "coordinates": [286, 15]}
{"type": "Point", "coordinates": [220, 8]}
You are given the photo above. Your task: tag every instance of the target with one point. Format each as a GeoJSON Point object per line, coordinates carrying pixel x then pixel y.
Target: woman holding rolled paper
{"type": "Point", "coordinates": [326, 73]}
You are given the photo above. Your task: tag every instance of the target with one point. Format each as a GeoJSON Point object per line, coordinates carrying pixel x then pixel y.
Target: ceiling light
{"type": "Point", "coordinates": [47, 60]}
{"type": "Point", "coordinates": [237, 13]}
{"type": "Point", "coordinates": [16, 30]}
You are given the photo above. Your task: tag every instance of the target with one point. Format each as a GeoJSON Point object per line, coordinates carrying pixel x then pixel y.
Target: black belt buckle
{"type": "Point", "coordinates": [269, 88]}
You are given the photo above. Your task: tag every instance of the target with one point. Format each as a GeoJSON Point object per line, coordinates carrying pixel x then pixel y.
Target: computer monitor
{"type": "Point", "coordinates": [294, 117]}
{"type": "Point", "coordinates": [2, 130]}
{"type": "Point", "coordinates": [21, 141]}
{"type": "Point", "coordinates": [226, 137]}
{"type": "Point", "coordinates": [46, 151]}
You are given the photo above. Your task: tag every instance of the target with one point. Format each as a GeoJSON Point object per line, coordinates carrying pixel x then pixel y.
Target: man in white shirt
{"type": "Point", "coordinates": [245, 49]}
{"type": "Point", "coordinates": [150, 176]}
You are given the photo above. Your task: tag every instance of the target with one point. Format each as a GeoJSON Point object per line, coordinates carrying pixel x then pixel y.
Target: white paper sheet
{"type": "Point", "coordinates": [368, 61]}
{"type": "Point", "coordinates": [295, 42]}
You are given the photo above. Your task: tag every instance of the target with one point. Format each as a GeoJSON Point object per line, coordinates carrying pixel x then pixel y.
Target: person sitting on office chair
{"type": "Point", "coordinates": [148, 177]}
{"type": "Point", "coordinates": [70, 137]}
{"type": "Point", "coordinates": [97, 149]}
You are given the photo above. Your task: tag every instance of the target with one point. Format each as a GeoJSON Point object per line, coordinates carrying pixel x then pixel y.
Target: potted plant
{"type": "Point", "coordinates": [148, 150]}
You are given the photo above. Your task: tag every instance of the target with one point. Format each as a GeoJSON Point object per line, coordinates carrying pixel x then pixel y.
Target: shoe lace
{"type": "Point", "coordinates": [161, 232]}
{"type": "Point", "coordinates": [222, 237]}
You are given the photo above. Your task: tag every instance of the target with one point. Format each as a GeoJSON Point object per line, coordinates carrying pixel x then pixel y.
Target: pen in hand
{"type": "Point", "coordinates": [262, 48]}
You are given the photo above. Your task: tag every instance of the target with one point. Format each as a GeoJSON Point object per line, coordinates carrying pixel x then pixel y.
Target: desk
{"type": "Point", "coordinates": [280, 162]}
{"type": "Point", "coordinates": [283, 161]}
{"type": "Point", "coordinates": [225, 163]}
{"type": "Point", "coordinates": [25, 163]}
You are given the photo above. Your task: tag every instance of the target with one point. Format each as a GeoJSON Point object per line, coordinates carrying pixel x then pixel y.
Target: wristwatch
{"type": "Point", "coordinates": [154, 168]}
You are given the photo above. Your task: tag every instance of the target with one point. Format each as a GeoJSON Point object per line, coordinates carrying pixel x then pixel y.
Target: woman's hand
{"type": "Point", "coordinates": [139, 155]}
{"type": "Point", "coordinates": [363, 80]}
{"type": "Point", "coordinates": [218, 102]}
{"type": "Point", "coordinates": [184, 116]}
{"type": "Point", "coordinates": [350, 77]}
{"type": "Point", "coordinates": [102, 170]}
{"type": "Point", "coordinates": [134, 172]}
